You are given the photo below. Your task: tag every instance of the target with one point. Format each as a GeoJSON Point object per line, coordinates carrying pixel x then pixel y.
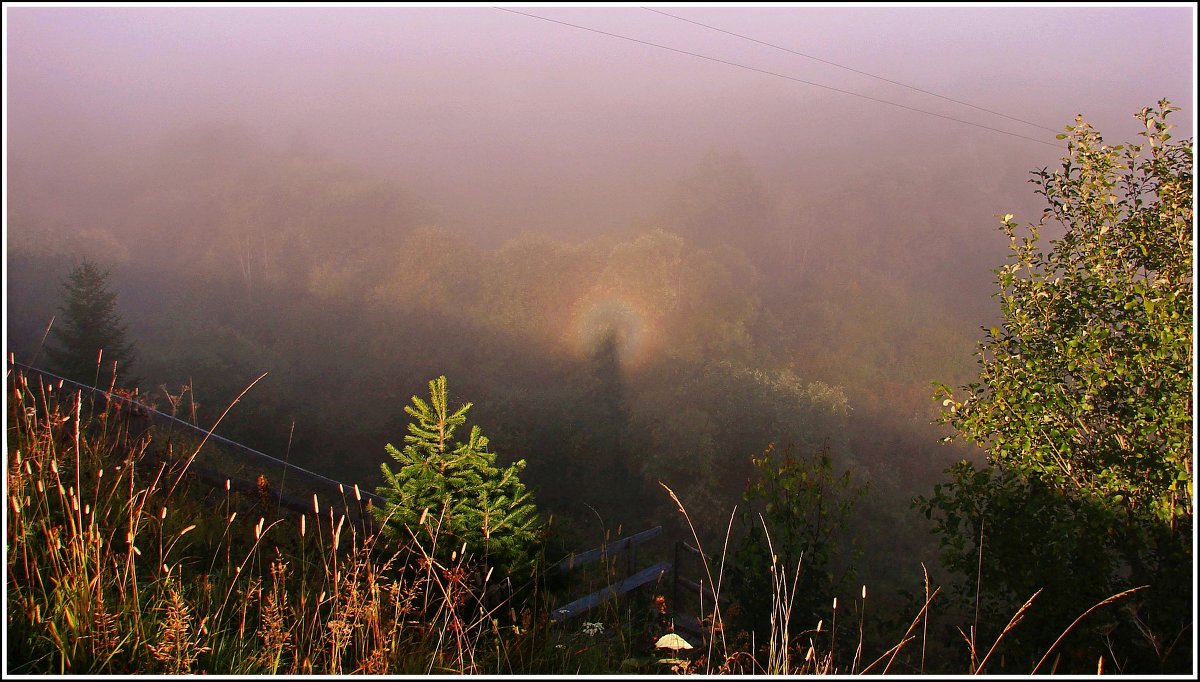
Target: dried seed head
{"type": "Point", "coordinates": [163, 513]}
{"type": "Point", "coordinates": [337, 533]}
{"type": "Point", "coordinates": [316, 506]}
{"type": "Point", "coordinates": [835, 603]}
{"type": "Point", "coordinates": [302, 518]}
{"type": "Point", "coordinates": [357, 495]}
{"type": "Point", "coordinates": [227, 485]}
{"type": "Point", "coordinates": [864, 591]}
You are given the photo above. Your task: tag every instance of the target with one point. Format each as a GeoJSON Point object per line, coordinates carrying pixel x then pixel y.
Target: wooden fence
{"type": "Point", "coordinates": [696, 595]}
{"type": "Point", "coordinates": [633, 578]}
{"type": "Point", "coordinates": [687, 594]}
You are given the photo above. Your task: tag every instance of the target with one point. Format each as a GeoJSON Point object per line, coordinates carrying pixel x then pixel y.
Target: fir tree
{"type": "Point", "coordinates": [446, 493]}
{"type": "Point", "coordinates": [89, 343]}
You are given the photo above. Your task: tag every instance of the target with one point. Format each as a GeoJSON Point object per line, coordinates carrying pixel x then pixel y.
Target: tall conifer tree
{"type": "Point", "coordinates": [89, 342]}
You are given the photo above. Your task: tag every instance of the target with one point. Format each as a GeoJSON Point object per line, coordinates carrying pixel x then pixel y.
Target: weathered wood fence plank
{"type": "Point", "coordinates": [642, 577]}
{"type": "Point", "coordinates": [611, 549]}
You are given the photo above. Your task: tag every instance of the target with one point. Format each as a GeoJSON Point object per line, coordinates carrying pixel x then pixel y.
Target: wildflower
{"type": "Point", "coordinates": [593, 629]}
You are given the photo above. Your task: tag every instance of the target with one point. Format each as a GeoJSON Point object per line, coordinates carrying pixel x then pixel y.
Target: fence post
{"type": "Point", "coordinates": [675, 580]}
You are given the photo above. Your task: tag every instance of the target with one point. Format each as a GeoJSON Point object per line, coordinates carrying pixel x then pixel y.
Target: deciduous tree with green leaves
{"type": "Point", "coordinates": [446, 492]}
{"type": "Point", "coordinates": [1084, 405]}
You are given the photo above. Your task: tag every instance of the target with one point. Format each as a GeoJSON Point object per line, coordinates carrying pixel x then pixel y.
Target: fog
{"type": "Point", "coordinates": [356, 200]}
{"type": "Point", "coordinates": [506, 122]}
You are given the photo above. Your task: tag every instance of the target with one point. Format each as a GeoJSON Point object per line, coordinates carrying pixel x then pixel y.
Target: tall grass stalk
{"type": "Point", "coordinates": [1101, 603]}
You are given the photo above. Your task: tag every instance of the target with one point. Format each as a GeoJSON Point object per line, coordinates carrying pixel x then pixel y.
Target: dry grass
{"type": "Point", "coordinates": [116, 565]}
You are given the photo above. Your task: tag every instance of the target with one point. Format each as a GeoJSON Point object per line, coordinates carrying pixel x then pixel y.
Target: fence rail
{"type": "Point", "coordinates": [591, 601]}
{"type": "Point", "coordinates": [609, 549]}
{"type": "Point", "coordinates": [633, 580]}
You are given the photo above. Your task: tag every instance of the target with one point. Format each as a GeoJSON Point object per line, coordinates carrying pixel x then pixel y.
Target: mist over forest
{"type": "Point", "coordinates": [638, 265]}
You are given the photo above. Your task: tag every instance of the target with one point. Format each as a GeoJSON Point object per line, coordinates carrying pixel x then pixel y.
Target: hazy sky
{"type": "Point", "coordinates": [505, 121]}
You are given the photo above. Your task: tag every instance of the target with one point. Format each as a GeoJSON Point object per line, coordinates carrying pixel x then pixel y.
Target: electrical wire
{"type": "Point", "coordinates": [777, 75]}
{"type": "Point", "coordinates": [847, 68]}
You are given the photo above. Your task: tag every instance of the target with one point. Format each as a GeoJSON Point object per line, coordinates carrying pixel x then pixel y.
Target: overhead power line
{"type": "Point", "coordinates": [847, 68]}
{"type": "Point", "coordinates": [779, 75]}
